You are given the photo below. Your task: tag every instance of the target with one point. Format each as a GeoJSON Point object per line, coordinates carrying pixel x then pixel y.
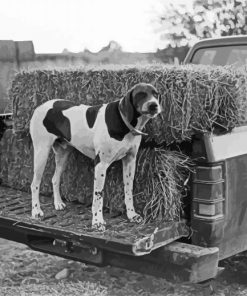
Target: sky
{"type": "Point", "coordinates": [54, 25]}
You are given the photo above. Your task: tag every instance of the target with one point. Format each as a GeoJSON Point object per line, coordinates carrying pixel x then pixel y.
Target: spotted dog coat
{"type": "Point", "coordinates": [105, 133]}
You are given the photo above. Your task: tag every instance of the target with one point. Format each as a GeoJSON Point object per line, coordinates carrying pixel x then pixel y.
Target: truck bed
{"type": "Point", "coordinates": [74, 224]}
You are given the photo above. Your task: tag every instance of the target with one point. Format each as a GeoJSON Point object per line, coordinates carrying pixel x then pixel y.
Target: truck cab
{"type": "Point", "coordinates": [219, 187]}
{"type": "Point", "coordinates": [222, 51]}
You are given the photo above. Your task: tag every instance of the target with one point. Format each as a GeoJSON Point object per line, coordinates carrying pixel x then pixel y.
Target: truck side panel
{"type": "Point", "coordinates": [219, 208]}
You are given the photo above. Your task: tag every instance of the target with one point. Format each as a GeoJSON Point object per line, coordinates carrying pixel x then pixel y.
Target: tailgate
{"type": "Point", "coordinates": [74, 223]}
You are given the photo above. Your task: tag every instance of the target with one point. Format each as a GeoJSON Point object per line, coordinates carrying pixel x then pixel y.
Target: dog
{"type": "Point", "coordinates": [105, 133]}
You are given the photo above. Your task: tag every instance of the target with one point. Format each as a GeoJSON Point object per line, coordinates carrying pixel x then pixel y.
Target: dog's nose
{"type": "Point", "coordinates": [153, 107]}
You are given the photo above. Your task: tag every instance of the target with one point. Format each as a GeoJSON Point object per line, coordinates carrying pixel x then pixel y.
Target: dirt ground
{"type": "Point", "coordinates": [25, 272]}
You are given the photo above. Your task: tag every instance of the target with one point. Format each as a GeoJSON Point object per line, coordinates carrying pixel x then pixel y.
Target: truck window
{"type": "Point", "coordinates": [235, 55]}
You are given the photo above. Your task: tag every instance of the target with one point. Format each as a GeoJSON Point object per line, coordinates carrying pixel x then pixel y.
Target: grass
{"type": "Point", "coordinates": [28, 273]}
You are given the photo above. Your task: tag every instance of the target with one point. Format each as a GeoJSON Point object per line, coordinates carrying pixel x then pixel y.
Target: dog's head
{"type": "Point", "coordinates": [141, 99]}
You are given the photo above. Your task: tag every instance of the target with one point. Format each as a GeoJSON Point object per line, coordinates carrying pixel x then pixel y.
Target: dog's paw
{"type": "Point", "coordinates": [136, 219]}
{"type": "Point", "coordinates": [37, 213]}
{"type": "Point", "coordinates": [59, 206]}
{"type": "Point", "coordinates": [99, 226]}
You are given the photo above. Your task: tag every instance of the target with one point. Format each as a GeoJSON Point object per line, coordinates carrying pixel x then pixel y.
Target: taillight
{"type": "Point", "coordinates": [208, 193]}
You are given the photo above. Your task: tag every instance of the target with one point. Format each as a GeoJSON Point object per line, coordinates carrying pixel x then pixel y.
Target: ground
{"type": "Point", "coordinates": [28, 273]}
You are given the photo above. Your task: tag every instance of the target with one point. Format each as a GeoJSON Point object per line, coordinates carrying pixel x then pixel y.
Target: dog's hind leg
{"type": "Point", "coordinates": [61, 155]}
{"type": "Point", "coordinates": [41, 153]}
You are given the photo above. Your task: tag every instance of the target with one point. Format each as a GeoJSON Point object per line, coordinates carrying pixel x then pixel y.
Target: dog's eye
{"type": "Point", "coordinates": [141, 95]}
{"type": "Point", "coordinates": [156, 95]}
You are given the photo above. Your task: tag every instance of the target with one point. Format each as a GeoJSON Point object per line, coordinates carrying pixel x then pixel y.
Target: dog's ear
{"type": "Point", "coordinates": [126, 105]}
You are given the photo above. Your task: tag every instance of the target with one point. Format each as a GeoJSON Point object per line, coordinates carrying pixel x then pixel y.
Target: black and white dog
{"type": "Point", "coordinates": [104, 133]}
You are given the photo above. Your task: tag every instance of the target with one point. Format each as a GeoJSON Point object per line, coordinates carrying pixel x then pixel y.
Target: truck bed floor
{"type": "Point", "coordinates": [75, 223]}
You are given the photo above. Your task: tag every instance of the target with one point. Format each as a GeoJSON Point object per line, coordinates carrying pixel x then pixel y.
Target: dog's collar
{"type": "Point", "coordinates": [134, 131]}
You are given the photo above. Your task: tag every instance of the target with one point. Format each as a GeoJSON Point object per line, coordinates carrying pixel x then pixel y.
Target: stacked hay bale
{"type": "Point", "coordinates": [194, 99]}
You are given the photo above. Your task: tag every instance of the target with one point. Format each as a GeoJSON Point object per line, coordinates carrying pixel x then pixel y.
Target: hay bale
{"type": "Point", "coordinates": [194, 98]}
{"type": "Point", "coordinates": [16, 169]}
{"type": "Point", "coordinates": [15, 161]}
{"type": "Point", "coordinates": [158, 185]}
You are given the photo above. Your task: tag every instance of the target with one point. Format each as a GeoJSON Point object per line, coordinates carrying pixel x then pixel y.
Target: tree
{"type": "Point", "coordinates": [183, 25]}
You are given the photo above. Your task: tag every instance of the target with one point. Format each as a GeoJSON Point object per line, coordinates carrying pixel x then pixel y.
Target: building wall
{"type": "Point", "coordinates": [12, 54]}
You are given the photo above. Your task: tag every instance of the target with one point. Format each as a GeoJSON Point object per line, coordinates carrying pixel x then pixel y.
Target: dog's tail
{"type": "Point", "coordinates": [24, 136]}
{"type": "Point", "coordinates": [29, 140]}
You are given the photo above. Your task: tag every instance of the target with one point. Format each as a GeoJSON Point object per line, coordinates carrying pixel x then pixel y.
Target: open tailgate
{"type": "Point", "coordinates": [74, 224]}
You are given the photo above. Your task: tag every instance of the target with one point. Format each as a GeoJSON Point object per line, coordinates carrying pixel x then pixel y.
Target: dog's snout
{"type": "Point", "coordinates": [153, 106]}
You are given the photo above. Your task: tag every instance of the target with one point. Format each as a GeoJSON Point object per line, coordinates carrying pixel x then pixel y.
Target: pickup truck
{"type": "Point", "coordinates": [216, 214]}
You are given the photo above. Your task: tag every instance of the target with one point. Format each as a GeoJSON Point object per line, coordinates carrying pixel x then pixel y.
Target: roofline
{"type": "Point", "coordinates": [223, 39]}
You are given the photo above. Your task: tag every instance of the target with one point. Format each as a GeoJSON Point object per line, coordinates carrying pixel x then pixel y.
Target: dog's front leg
{"type": "Point", "coordinates": [129, 165]}
{"type": "Point", "coordinates": [97, 206]}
